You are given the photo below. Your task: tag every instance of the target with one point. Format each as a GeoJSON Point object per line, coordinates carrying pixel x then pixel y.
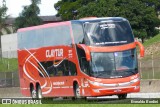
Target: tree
{"type": "Point", "coordinates": [143, 17]}
{"type": "Point", "coordinates": [153, 3]}
{"type": "Point", "coordinates": [142, 14]}
{"type": "Point", "coordinates": [3, 18]}
{"type": "Point", "coordinates": [29, 16]}
{"type": "Point", "coordinates": [99, 8]}
{"type": "Point", "coordinates": [67, 9]}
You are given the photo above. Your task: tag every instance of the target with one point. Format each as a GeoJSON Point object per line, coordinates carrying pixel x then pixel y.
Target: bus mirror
{"type": "Point", "coordinates": [141, 47]}
{"type": "Point", "coordinates": [86, 50]}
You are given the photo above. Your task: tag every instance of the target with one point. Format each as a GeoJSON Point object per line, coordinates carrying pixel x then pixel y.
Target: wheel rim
{"type": "Point", "coordinates": [39, 93]}
{"type": "Point", "coordinates": [33, 94]}
{"type": "Point", "coordinates": [122, 96]}
{"type": "Point", "coordinates": [78, 91]}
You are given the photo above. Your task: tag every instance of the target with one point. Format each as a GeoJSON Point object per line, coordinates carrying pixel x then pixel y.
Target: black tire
{"type": "Point", "coordinates": [65, 97]}
{"type": "Point", "coordinates": [39, 93]}
{"type": "Point", "coordinates": [33, 92]}
{"type": "Point", "coordinates": [122, 96]}
{"type": "Point", "coordinates": [73, 98]}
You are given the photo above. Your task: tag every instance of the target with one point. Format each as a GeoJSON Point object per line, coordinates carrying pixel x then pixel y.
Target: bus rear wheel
{"type": "Point", "coordinates": [122, 96]}
{"type": "Point", "coordinates": [39, 93]}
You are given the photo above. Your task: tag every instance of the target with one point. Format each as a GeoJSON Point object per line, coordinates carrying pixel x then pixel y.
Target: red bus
{"type": "Point", "coordinates": [79, 58]}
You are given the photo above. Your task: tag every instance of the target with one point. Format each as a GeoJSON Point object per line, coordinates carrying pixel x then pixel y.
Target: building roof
{"type": "Point", "coordinates": [10, 21]}
{"type": "Point", "coordinates": [50, 18]}
{"type": "Point", "coordinates": [46, 19]}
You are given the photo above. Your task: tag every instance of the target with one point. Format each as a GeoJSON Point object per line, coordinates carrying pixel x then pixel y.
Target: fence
{"type": "Point", "coordinates": [9, 54]}
{"type": "Point", "coordinates": [150, 67]}
{"type": "Point", "coordinates": [9, 79]}
{"type": "Point", "coordinates": [0, 52]}
{"type": "Point", "coordinates": [8, 72]}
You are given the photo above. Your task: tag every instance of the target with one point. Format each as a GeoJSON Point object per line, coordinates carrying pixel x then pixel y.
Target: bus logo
{"type": "Point", "coordinates": [54, 53]}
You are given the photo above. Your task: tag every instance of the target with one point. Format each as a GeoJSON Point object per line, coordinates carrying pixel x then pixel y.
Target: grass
{"type": "Point", "coordinates": [90, 103]}
{"type": "Point", "coordinates": [153, 40]}
{"type": "Point", "coordinates": [85, 105]}
{"type": "Point", "coordinates": [8, 65]}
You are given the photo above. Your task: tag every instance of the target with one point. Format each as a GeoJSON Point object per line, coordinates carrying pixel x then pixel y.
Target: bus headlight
{"type": "Point", "coordinates": [95, 83]}
{"type": "Point", "coordinates": [134, 80]}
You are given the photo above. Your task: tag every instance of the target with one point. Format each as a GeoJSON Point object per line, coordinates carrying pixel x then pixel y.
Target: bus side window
{"type": "Point", "coordinates": [52, 71]}
{"type": "Point", "coordinates": [59, 72]}
{"type": "Point", "coordinates": [72, 68]}
{"type": "Point", "coordinates": [62, 69]}
{"type": "Point", "coordinates": [66, 70]}
{"type": "Point", "coordinates": [46, 67]}
{"type": "Point", "coordinates": [77, 33]}
{"type": "Point", "coordinates": [84, 64]}
{"type": "Point", "coordinates": [86, 40]}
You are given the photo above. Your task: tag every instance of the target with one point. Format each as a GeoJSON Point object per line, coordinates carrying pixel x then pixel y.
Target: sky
{"type": "Point", "coordinates": [16, 6]}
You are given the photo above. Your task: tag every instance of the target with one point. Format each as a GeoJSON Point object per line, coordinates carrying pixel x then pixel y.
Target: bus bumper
{"type": "Point", "coordinates": [114, 91]}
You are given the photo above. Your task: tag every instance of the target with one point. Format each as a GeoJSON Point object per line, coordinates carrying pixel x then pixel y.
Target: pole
{"type": "Point", "coordinates": [12, 79]}
{"type": "Point", "coordinates": [152, 65]}
{"type": "Point", "coordinates": [8, 60]}
{"type": "Point", "coordinates": [140, 66]}
{"type": "Point", "coordinates": [5, 78]}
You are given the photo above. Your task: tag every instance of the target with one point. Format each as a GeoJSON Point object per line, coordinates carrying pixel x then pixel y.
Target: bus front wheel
{"type": "Point", "coordinates": [76, 92]}
{"type": "Point", "coordinates": [122, 96]}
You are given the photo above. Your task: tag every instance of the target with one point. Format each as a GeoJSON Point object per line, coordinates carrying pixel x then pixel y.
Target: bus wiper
{"type": "Point", "coordinates": [133, 71]}
{"type": "Point", "coordinates": [115, 76]}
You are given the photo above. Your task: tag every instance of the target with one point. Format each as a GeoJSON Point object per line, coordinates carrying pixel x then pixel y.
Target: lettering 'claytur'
{"type": "Point", "coordinates": [54, 53]}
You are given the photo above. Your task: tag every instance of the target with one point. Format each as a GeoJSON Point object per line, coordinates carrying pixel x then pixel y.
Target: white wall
{"type": "Point", "coordinates": [9, 45]}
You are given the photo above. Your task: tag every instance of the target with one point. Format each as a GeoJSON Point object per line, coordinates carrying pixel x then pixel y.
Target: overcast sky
{"type": "Point", "coordinates": [15, 7]}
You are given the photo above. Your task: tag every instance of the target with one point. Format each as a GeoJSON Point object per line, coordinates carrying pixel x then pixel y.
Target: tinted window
{"type": "Point", "coordinates": [57, 36]}
{"type": "Point", "coordinates": [115, 64]}
{"type": "Point", "coordinates": [52, 36]}
{"type": "Point", "coordinates": [77, 33]}
{"type": "Point", "coordinates": [109, 33]}
{"type": "Point", "coordinates": [58, 68]}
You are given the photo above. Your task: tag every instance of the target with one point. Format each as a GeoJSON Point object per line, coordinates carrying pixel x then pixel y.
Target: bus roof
{"type": "Point", "coordinates": [94, 19]}
{"type": "Point", "coordinates": [43, 26]}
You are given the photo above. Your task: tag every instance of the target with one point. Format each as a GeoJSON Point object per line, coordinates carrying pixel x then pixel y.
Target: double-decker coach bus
{"type": "Point", "coordinates": [79, 58]}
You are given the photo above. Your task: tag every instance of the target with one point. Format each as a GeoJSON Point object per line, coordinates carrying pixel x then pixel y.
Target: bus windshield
{"type": "Point", "coordinates": [109, 33]}
{"type": "Point", "coordinates": [114, 65]}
